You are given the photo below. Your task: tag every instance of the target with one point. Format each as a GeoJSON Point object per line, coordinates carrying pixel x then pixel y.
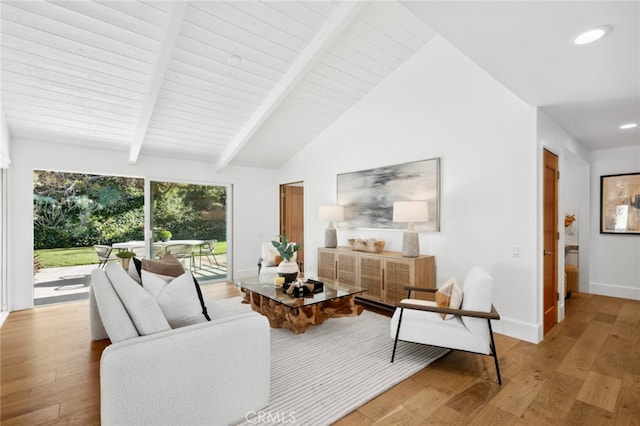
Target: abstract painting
{"type": "Point", "coordinates": [368, 195]}
{"type": "Point", "coordinates": [620, 204]}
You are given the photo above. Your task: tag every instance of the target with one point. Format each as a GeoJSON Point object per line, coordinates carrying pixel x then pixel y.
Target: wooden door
{"type": "Point", "coordinates": [292, 215]}
{"type": "Point", "coordinates": [550, 243]}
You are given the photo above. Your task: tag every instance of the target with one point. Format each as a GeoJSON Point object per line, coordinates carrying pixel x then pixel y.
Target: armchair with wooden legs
{"type": "Point", "coordinates": [421, 321]}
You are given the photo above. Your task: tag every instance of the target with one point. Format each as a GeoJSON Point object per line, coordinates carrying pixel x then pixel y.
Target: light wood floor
{"type": "Point", "coordinates": [586, 371]}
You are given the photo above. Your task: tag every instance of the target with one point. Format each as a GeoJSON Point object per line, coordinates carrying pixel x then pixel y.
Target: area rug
{"type": "Point", "coordinates": [332, 369]}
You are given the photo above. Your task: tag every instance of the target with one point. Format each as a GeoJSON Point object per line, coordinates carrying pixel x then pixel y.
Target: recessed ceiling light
{"type": "Point", "coordinates": [591, 35]}
{"type": "Point", "coordinates": [628, 126]}
{"type": "Point", "coordinates": [234, 60]}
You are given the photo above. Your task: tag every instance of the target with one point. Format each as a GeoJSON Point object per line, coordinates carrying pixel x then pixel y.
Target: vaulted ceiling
{"type": "Point", "coordinates": [250, 83]}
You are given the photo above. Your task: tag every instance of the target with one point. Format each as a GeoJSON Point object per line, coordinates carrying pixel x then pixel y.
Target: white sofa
{"type": "Point", "coordinates": [211, 373]}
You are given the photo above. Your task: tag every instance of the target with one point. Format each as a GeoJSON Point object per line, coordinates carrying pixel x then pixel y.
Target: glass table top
{"type": "Point", "coordinates": [332, 290]}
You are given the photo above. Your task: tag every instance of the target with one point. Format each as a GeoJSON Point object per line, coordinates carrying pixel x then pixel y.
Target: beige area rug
{"type": "Point", "coordinates": [332, 369]}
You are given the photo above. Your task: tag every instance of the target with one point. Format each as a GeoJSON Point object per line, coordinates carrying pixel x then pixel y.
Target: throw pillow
{"type": "Point", "coordinates": [180, 298]}
{"type": "Point", "coordinates": [449, 296]}
{"type": "Point", "coordinates": [168, 266]}
{"type": "Point", "coordinates": [143, 310]}
{"type": "Point", "coordinates": [135, 270]}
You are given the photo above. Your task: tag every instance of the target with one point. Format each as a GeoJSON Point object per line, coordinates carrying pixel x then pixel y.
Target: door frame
{"type": "Point", "coordinates": [559, 254]}
{"type": "Point", "coordinates": [281, 204]}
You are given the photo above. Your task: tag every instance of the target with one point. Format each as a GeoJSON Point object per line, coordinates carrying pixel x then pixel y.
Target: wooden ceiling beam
{"type": "Point", "coordinates": [171, 32]}
{"type": "Point", "coordinates": [330, 31]}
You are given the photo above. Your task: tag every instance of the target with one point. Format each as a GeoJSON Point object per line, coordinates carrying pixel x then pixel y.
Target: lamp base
{"type": "Point", "coordinates": [330, 238]}
{"type": "Point", "coordinates": [410, 244]}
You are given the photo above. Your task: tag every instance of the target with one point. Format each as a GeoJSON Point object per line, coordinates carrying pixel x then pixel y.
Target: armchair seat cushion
{"type": "Point", "coordinates": [428, 328]}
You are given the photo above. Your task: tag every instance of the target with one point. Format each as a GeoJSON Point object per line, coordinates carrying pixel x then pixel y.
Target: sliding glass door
{"type": "Point", "coordinates": [189, 221]}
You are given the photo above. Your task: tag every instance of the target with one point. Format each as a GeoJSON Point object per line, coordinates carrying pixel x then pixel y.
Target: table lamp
{"type": "Point", "coordinates": [410, 212]}
{"type": "Point", "coordinates": [329, 214]}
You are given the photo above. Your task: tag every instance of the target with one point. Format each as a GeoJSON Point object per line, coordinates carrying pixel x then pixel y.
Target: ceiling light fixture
{"type": "Point", "coordinates": [591, 35]}
{"type": "Point", "coordinates": [234, 60]}
{"type": "Point", "coordinates": [628, 126]}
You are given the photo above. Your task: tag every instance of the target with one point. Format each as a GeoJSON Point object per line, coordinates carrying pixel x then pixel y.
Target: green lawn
{"type": "Point", "coordinates": [53, 258]}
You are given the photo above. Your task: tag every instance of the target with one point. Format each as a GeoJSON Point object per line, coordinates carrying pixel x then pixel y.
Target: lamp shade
{"type": "Point", "coordinates": [410, 211]}
{"type": "Point", "coordinates": [331, 213]}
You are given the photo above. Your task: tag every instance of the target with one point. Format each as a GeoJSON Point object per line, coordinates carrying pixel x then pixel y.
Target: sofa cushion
{"type": "Point", "coordinates": [143, 309]}
{"type": "Point", "coordinates": [95, 322]}
{"type": "Point", "coordinates": [449, 296]}
{"type": "Point", "coordinates": [114, 316]}
{"type": "Point", "coordinates": [180, 298]}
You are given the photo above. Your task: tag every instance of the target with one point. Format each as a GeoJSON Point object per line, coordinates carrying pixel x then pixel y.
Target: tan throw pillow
{"type": "Point", "coordinates": [168, 266]}
{"type": "Point", "coordinates": [449, 296]}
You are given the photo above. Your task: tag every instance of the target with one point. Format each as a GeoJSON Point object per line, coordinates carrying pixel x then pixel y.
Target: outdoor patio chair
{"type": "Point", "coordinates": [181, 252]}
{"type": "Point", "coordinates": [104, 254]}
{"type": "Point", "coordinates": [139, 252]}
{"type": "Point", "coordinates": [158, 251]}
{"type": "Point", "coordinates": [207, 248]}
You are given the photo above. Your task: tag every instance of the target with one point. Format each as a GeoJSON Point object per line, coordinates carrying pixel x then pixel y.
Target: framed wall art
{"type": "Point", "coordinates": [368, 195]}
{"type": "Point", "coordinates": [620, 204]}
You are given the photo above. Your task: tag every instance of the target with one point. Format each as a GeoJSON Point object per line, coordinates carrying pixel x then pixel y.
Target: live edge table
{"type": "Point", "coordinates": [297, 313]}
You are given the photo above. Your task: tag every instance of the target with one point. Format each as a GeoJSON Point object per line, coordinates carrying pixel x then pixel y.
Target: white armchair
{"type": "Point", "coordinates": [420, 321]}
{"type": "Point", "coordinates": [269, 260]}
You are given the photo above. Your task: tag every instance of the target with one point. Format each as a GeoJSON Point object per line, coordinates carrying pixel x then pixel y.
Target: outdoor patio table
{"type": "Point", "coordinates": [128, 245]}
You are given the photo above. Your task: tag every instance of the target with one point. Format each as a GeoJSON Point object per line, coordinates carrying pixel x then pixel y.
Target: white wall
{"type": "Point", "coordinates": [615, 265]}
{"type": "Point", "coordinates": [255, 200]}
{"type": "Point", "coordinates": [440, 104]}
{"type": "Point", "coordinates": [5, 139]}
{"type": "Point", "coordinates": [5, 161]}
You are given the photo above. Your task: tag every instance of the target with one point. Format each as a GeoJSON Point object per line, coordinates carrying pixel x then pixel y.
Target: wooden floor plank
{"type": "Point", "coordinates": [516, 395]}
{"type": "Point", "coordinates": [379, 407]}
{"type": "Point", "coordinates": [470, 401]}
{"type": "Point", "coordinates": [627, 411]}
{"type": "Point", "coordinates": [600, 390]}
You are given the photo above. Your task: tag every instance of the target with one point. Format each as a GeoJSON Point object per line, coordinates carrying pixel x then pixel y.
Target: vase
{"type": "Point", "coordinates": [288, 269]}
{"type": "Point", "coordinates": [125, 262]}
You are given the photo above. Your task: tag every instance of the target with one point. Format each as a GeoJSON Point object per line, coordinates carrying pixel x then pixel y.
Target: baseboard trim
{"type": "Point", "coordinates": [520, 330]}
{"type": "Point", "coordinates": [612, 290]}
{"type": "Point", "coordinates": [3, 316]}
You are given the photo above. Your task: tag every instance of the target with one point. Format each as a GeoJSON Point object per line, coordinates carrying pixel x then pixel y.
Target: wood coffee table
{"type": "Point", "coordinates": [297, 313]}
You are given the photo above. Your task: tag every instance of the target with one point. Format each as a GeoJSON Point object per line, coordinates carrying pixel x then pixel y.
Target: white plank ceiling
{"type": "Point", "coordinates": [251, 82]}
{"type": "Point", "coordinates": [156, 78]}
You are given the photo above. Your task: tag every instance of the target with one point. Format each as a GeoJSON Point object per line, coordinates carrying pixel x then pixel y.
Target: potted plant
{"type": "Point", "coordinates": [288, 268]}
{"type": "Point", "coordinates": [163, 234]}
{"type": "Point", "coordinates": [125, 258]}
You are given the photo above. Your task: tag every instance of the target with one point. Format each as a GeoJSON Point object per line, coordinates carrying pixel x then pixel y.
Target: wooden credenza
{"type": "Point", "coordinates": [383, 274]}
